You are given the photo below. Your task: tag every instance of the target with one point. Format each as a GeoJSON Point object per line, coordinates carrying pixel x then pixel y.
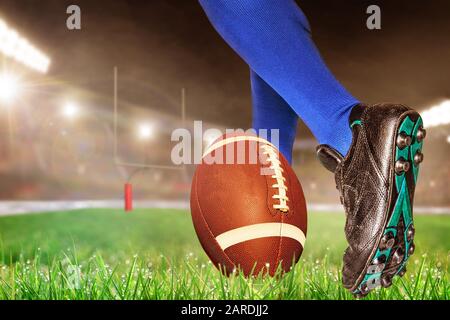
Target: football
{"type": "Point", "coordinates": [248, 207]}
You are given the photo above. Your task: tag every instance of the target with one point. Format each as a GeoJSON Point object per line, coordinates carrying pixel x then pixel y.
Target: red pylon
{"type": "Point", "coordinates": [128, 197]}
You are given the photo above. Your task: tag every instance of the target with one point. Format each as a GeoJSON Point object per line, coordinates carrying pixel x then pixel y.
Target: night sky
{"type": "Point", "coordinates": [161, 46]}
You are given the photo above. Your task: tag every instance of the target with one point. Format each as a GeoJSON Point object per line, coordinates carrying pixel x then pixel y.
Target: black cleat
{"type": "Point", "coordinates": [386, 281]}
{"type": "Point", "coordinates": [377, 180]}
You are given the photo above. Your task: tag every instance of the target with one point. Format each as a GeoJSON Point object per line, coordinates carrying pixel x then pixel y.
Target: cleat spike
{"type": "Point", "coordinates": [402, 272]}
{"type": "Point", "coordinates": [375, 268]}
{"type": "Point", "coordinates": [410, 233]}
{"type": "Point", "coordinates": [397, 258]}
{"type": "Point", "coordinates": [418, 158]}
{"type": "Point", "coordinates": [403, 140]}
{"type": "Point", "coordinates": [387, 242]}
{"type": "Point", "coordinates": [386, 281]}
{"type": "Point", "coordinates": [411, 249]}
{"type": "Point", "coordinates": [401, 166]}
{"type": "Point", "coordinates": [364, 289]}
{"type": "Point", "coordinates": [421, 134]}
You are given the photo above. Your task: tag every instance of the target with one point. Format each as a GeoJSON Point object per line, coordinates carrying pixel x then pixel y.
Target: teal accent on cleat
{"type": "Point", "coordinates": [356, 122]}
{"type": "Point", "coordinates": [376, 273]}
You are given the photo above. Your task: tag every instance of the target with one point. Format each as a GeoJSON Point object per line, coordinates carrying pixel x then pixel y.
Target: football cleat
{"type": "Point", "coordinates": [376, 181]}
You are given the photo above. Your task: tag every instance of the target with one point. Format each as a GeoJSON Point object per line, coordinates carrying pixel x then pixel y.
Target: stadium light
{"type": "Point", "coordinates": [9, 88]}
{"type": "Point", "coordinates": [18, 48]}
{"type": "Point", "coordinates": [437, 115]}
{"type": "Point", "coordinates": [145, 131]}
{"type": "Point", "coordinates": [70, 110]}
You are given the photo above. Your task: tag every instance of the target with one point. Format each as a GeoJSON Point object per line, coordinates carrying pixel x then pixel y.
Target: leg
{"type": "Point", "coordinates": [376, 163]}
{"type": "Point", "coordinates": [270, 111]}
{"type": "Point", "coordinates": [273, 37]}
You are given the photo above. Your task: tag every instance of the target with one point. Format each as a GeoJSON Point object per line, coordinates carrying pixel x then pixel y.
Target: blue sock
{"type": "Point", "coordinates": [273, 37]}
{"type": "Point", "coordinates": [270, 111]}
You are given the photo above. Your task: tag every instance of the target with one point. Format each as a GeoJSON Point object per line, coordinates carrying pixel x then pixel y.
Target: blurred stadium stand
{"type": "Point", "coordinates": [46, 157]}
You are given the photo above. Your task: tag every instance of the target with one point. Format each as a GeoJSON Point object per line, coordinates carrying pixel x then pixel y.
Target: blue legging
{"type": "Point", "coordinates": [289, 78]}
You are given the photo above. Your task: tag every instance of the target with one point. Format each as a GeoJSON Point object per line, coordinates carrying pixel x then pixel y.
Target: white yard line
{"type": "Point", "coordinates": [24, 207]}
{"type": "Point", "coordinates": [8, 208]}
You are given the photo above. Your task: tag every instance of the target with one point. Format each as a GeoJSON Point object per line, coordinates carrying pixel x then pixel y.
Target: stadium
{"type": "Point", "coordinates": [86, 112]}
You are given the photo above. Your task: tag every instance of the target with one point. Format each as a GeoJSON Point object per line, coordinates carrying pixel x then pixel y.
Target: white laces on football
{"type": "Point", "coordinates": [280, 185]}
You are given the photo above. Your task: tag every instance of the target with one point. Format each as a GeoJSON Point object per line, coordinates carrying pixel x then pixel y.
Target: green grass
{"type": "Point", "coordinates": [155, 254]}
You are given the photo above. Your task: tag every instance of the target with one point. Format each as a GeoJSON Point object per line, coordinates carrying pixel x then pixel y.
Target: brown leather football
{"type": "Point", "coordinates": [248, 206]}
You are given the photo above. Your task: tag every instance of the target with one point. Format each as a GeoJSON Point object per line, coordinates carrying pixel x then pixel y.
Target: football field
{"type": "Point", "coordinates": [155, 254]}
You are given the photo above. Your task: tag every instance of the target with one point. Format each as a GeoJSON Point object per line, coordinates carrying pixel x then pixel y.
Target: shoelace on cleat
{"type": "Point", "coordinates": [280, 185]}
